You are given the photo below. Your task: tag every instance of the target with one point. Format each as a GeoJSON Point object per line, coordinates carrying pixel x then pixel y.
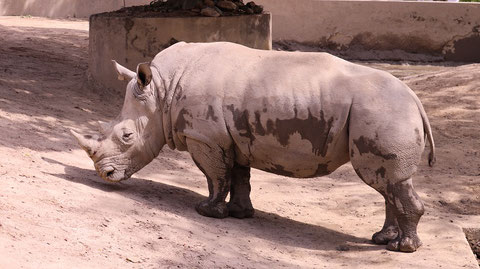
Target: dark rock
{"type": "Point", "coordinates": [210, 12]}
{"type": "Point", "coordinates": [227, 5]}
{"type": "Point", "coordinates": [257, 9]}
{"type": "Point", "coordinates": [239, 4]}
{"type": "Point", "coordinates": [251, 4]}
{"type": "Point", "coordinates": [218, 10]}
{"type": "Point", "coordinates": [186, 4]}
{"type": "Point", "coordinates": [209, 3]}
{"type": "Point", "coordinates": [199, 6]}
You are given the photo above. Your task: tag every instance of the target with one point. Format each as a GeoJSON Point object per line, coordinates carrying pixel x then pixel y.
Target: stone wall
{"type": "Point", "coordinates": [393, 30]}
{"type": "Point", "coordinates": [445, 31]}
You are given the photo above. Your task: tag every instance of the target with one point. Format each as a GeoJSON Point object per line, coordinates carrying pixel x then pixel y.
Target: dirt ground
{"type": "Point", "coordinates": [55, 212]}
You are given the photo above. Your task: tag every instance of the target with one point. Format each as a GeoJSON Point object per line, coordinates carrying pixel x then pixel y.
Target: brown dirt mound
{"type": "Point", "coordinates": [209, 8]}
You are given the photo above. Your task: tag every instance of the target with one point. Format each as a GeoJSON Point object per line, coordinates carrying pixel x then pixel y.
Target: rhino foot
{"type": "Point", "coordinates": [237, 211]}
{"type": "Point", "coordinates": [385, 235]}
{"type": "Point", "coordinates": [404, 244]}
{"type": "Point", "coordinates": [213, 210]}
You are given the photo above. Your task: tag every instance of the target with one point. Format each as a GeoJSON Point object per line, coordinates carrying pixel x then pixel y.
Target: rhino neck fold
{"type": "Point", "coordinates": [169, 91]}
{"type": "Point", "coordinates": [162, 86]}
{"type": "Point", "coordinates": [154, 146]}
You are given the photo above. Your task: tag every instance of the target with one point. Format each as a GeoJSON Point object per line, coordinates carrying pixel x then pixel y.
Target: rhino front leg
{"type": "Point", "coordinates": [216, 164]}
{"type": "Point", "coordinates": [408, 209]}
{"type": "Point", "coordinates": [240, 205]}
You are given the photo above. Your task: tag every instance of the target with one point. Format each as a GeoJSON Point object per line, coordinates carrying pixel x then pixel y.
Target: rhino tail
{"type": "Point", "coordinates": [428, 131]}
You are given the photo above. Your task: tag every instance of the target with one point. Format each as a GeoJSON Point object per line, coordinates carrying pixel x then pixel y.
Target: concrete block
{"type": "Point", "coordinates": [132, 40]}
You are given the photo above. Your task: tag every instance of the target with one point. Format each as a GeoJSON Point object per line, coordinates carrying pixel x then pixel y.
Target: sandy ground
{"type": "Point", "coordinates": [55, 212]}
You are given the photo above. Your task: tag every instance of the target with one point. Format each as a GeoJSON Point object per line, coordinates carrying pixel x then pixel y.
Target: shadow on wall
{"type": "Point", "coordinates": [63, 8]}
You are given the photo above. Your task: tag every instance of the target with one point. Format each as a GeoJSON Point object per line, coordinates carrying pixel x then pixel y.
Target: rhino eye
{"type": "Point", "coordinates": [127, 136]}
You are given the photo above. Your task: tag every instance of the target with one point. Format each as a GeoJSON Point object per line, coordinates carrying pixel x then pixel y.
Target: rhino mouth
{"type": "Point", "coordinates": [111, 174]}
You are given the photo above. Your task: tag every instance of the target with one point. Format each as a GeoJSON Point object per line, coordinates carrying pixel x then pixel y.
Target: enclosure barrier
{"type": "Point", "coordinates": [359, 29]}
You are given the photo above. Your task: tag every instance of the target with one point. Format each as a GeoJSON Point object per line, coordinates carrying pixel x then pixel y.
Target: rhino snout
{"type": "Point", "coordinates": [107, 172]}
{"type": "Point", "coordinates": [110, 173]}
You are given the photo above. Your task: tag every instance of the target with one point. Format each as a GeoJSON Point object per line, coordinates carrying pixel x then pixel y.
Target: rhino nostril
{"type": "Point", "coordinates": [107, 172]}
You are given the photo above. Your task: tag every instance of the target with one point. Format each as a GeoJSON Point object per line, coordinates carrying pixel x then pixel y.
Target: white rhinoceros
{"type": "Point", "coordinates": [290, 113]}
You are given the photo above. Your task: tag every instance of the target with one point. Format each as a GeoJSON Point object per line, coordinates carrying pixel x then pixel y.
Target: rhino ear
{"type": "Point", "coordinates": [123, 72]}
{"type": "Point", "coordinates": [144, 74]}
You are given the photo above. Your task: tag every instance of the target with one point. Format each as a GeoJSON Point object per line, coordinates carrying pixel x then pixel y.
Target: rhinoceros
{"type": "Point", "coordinates": [294, 114]}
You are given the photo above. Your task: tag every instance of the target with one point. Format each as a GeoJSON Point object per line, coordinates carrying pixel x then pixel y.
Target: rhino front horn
{"type": "Point", "coordinates": [86, 142]}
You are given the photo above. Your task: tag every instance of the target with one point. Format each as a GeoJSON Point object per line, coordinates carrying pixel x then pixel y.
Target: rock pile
{"type": "Point", "coordinates": [209, 8]}
{"type": "Point", "coordinates": [215, 8]}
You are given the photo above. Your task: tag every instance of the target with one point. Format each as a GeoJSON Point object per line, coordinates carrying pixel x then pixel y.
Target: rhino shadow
{"type": "Point", "coordinates": [181, 201]}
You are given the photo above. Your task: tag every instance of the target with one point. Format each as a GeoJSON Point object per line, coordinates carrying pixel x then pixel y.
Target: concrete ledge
{"type": "Point", "coordinates": [63, 8]}
{"type": "Point", "coordinates": [134, 40]}
{"type": "Point", "coordinates": [446, 31]}
{"type": "Point", "coordinates": [440, 30]}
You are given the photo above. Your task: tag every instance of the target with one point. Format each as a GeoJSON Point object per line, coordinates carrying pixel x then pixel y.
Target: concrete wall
{"type": "Point", "coordinates": [449, 31]}
{"type": "Point", "coordinates": [445, 31]}
{"type": "Point", "coordinates": [63, 8]}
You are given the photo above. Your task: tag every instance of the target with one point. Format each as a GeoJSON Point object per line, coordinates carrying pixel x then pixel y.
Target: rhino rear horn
{"type": "Point", "coordinates": [123, 72]}
{"type": "Point", "coordinates": [88, 143]}
{"type": "Point", "coordinates": [144, 74]}
{"type": "Point", "coordinates": [103, 126]}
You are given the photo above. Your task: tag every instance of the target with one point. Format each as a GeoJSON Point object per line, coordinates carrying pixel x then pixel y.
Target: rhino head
{"type": "Point", "coordinates": [134, 138]}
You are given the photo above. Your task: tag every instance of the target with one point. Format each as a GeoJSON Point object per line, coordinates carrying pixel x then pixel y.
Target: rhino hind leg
{"type": "Point", "coordinates": [240, 205]}
{"type": "Point", "coordinates": [216, 164]}
{"type": "Point", "coordinates": [390, 227]}
{"type": "Point", "coordinates": [408, 209]}
{"type": "Point", "coordinates": [403, 209]}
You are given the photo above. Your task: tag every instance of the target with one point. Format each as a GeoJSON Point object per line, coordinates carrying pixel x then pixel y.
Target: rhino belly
{"type": "Point", "coordinates": [297, 159]}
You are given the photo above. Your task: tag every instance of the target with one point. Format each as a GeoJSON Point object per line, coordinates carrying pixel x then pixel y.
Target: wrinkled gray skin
{"type": "Point", "coordinates": [290, 113]}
